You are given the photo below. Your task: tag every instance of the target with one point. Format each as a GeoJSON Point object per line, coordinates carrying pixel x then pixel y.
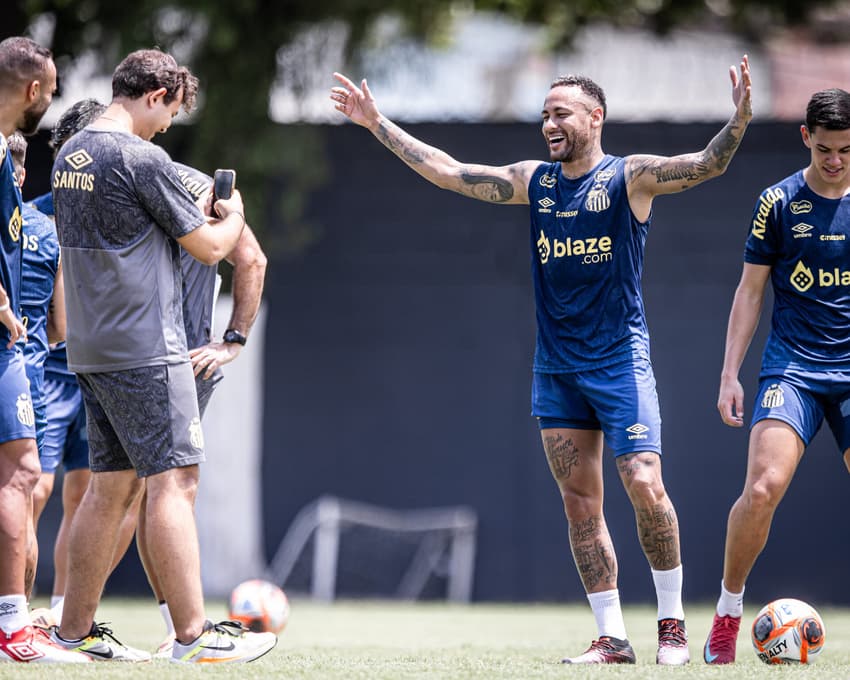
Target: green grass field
{"type": "Point", "coordinates": [371, 640]}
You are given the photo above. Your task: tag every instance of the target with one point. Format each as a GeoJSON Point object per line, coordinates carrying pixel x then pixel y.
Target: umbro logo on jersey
{"type": "Point", "coordinates": [545, 204]}
{"type": "Point", "coordinates": [79, 159]}
{"type": "Point", "coordinates": [802, 230]}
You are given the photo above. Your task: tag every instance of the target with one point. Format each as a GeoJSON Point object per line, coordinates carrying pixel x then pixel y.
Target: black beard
{"type": "Point", "coordinates": [29, 122]}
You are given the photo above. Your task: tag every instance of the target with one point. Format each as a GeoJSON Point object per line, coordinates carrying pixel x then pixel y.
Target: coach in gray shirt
{"type": "Point", "coordinates": [121, 215]}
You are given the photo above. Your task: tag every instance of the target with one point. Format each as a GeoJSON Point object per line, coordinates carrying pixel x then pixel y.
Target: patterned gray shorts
{"type": "Point", "coordinates": [144, 418]}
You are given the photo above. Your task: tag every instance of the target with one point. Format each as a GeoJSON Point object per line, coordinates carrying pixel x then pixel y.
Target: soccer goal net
{"type": "Point", "coordinates": [337, 547]}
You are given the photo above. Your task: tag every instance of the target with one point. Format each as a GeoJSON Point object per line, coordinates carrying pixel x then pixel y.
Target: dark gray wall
{"type": "Point", "coordinates": [399, 351]}
{"type": "Point", "coordinates": [398, 369]}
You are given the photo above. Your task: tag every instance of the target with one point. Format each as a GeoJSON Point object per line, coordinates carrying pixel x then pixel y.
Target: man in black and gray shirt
{"type": "Point", "coordinates": [122, 215]}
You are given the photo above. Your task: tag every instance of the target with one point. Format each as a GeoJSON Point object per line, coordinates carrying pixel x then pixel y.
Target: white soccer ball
{"type": "Point", "coordinates": [260, 606]}
{"type": "Point", "coordinates": [788, 631]}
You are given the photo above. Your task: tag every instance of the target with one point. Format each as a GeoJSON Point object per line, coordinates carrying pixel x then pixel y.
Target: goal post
{"type": "Point", "coordinates": [441, 542]}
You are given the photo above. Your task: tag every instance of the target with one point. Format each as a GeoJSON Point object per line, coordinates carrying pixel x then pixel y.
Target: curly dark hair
{"type": "Point", "coordinates": [586, 85]}
{"type": "Point", "coordinates": [144, 71]}
{"type": "Point", "coordinates": [75, 118]}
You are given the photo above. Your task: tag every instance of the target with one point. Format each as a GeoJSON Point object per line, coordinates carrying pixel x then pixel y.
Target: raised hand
{"type": "Point", "coordinates": [355, 102]}
{"type": "Point", "coordinates": [741, 89]}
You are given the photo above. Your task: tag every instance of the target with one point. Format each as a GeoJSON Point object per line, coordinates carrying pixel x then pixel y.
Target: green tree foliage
{"type": "Point", "coordinates": [232, 46]}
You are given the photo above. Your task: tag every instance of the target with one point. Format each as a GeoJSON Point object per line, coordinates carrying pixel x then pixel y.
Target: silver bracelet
{"type": "Point", "coordinates": [3, 308]}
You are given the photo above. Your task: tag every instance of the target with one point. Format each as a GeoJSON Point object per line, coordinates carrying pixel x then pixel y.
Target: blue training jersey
{"type": "Point", "coordinates": [11, 208]}
{"type": "Point", "coordinates": [40, 264]}
{"type": "Point", "coordinates": [587, 260]}
{"type": "Point", "coordinates": [805, 239]}
{"type": "Point", "coordinates": [44, 204]}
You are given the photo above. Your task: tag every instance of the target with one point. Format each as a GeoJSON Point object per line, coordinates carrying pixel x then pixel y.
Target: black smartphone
{"type": "Point", "coordinates": [224, 181]}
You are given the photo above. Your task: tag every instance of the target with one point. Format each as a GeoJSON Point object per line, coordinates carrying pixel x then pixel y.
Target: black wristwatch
{"type": "Point", "coordinates": [232, 335]}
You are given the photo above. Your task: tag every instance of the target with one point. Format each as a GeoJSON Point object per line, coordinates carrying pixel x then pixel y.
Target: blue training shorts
{"type": "Point", "coordinates": [17, 418]}
{"type": "Point", "coordinates": [620, 400]}
{"type": "Point", "coordinates": [803, 399]}
{"type": "Point", "coordinates": [65, 438]}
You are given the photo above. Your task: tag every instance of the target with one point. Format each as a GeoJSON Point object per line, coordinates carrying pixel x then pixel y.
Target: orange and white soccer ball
{"type": "Point", "coordinates": [788, 631]}
{"type": "Point", "coordinates": [260, 606]}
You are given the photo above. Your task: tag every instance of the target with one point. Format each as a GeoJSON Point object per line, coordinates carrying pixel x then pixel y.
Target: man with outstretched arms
{"type": "Point", "coordinates": [27, 84]}
{"type": "Point", "coordinates": [592, 376]}
{"type": "Point", "coordinates": [799, 240]}
{"type": "Point", "coordinates": [122, 215]}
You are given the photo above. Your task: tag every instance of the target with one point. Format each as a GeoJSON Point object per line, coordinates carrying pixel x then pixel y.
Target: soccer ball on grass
{"type": "Point", "coordinates": [788, 631]}
{"type": "Point", "coordinates": [260, 606]}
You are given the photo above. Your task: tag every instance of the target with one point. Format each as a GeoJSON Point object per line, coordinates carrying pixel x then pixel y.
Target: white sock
{"type": "Point", "coordinates": [13, 613]}
{"type": "Point", "coordinates": [730, 604]}
{"type": "Point", "coordinates": [166, 616]}
{"type": "Point", "coordinates": [57, 604]}
{"type": "Point", "coordinates": [668, 590]}
{"type": "Point", "coordinates": [608, 614]}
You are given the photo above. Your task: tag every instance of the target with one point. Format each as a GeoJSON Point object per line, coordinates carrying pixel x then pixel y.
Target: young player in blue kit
{"type": "Point", "coordinates": [592, 376]}
{"type": "Point", "coordinates": [27, 84]}
{"type": "Point", "coordinates": [799, 240]}
{"type": "Point", "coordinates": [43, 315]}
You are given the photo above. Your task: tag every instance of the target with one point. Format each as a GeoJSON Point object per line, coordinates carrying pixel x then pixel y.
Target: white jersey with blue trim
{"type": "Point", "coordinates": [587, 260]}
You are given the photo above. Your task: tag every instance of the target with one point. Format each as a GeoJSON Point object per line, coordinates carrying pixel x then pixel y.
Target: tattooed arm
{"type": "Point", "coordinates": [649, 176]}
{"type": "Point", "coordinates": [502, 184]}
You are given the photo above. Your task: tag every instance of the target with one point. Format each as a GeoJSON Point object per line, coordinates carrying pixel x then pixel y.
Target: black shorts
{"type": "Point", "coordinates": [144, 418]}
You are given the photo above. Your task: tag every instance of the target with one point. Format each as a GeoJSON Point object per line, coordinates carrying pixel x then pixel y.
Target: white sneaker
{"type": "Point", "coordinates": [97, 647]}
{"type": "Point", "coordinates": [33, 645]}
{"type": "Point", "coordinates": [672, 643]}
{"type": "Point", "coordinates": [165, 648]}
{"type": "Point", "coordinates": [225, 642]}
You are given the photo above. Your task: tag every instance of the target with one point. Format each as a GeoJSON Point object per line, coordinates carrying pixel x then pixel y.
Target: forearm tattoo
{"type": "Point", "coordinates": [409, 149]}
{"type": "Point", "coordinates": [593, 553]}
{"type": "Point", "coordinates": [484, 187]}
{"type": "Point", "coordinates": [658, 530]}
{"type": "Point", "coordinates": [562, 455]}
{"type": "Point", "coordinates": [694, 168]}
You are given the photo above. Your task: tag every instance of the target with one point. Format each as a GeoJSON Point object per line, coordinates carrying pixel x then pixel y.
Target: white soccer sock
{"type": "Point", "coordinates": [608, 613]}
{"type": "Point", "coordinates": [730, 604]}
{"type": "Point", "coordinates": [57, 604]}
{"type": "Point", "coordinates": [166, 616]}
{"type": "Point", "coordinates": [668, 590]}
{"type": "Point", "coordinates": [14, 613]}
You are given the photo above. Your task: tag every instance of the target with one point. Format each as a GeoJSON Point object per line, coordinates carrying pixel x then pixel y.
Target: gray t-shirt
{"type": "Point", "coordinates": [119, 208]}
{"type": "Point", "coordinates": [199, 279]}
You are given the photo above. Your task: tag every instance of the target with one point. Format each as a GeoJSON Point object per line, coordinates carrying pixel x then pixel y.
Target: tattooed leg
{"type": "Point", "coordinates": [657, 524]}
{"type": "Point", "coordinates": [594, 554]}
{"type": "Point", "coordinates": [575, 460]}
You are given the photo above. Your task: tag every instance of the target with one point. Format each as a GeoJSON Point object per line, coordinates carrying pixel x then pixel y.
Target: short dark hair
{"type": "Point", "coordinates": [144, 71]}
{"type": "Point", "coordinates": [18, 149]}
{"type": "Point", "coordinates": [829, 109]}
{"type": "Point", "coordinates": [21, 60]}
{"type": "Point", "coordinates": [586, 85]}
{"type": "Point", "coordinates": [74, 119]}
